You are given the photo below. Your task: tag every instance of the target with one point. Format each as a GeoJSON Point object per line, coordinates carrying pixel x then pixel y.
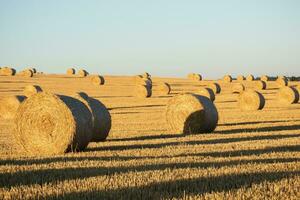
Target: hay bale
{"type": "Point", "coordinates": [207, 92]}
{"type": "Point", "coordinates": [26, 73]}
{"type": "Point", "coordinates": [30, 90]}
{"type": "Point", "coordinates": [238, 88]}
{"type": "Point", "coordinates": [191, 76]}
{"type": "Point", "coordinates": [71, 71]}
{"type": "Point", "coordinates": [7, 71]}
{"type": "Point", "coordinates": [250, 77]}
{"type": "Point", "coordinates": [9, 106]}
{"type": "Point", "coordinates": [100, 116]}
{"type": "Point", "coordinates": [98, 80]}
{"type": "Point", "coordinates": [215, 87]}
{"type": "Point", "coordinates": [197, 77]}
{"type": "Point", "coordinates": [142, 91]}
{"type": "Point", "coordinates": [260, 85]}
{"type": "Point", "coordinates": [144, 81]}
{"type": "Point", "coordinates": [191, 113]}
{"type": "Point", "coordinates": [227, 79]}
{"type": "Point", "coordinates": [48, 124]}
{"type": "Point", "coordinates": [281, 82]}
{"type": "Point", "coordinates": [264, 78]}
{"type": "Point", "coordinates": [146, 75]}
{"type": "Point", "coordinates": [288, 95]}
{"type": "Point", "coordinates": [250, 100]}
{"type": "Point", "coordinates": [240, 78]}
{"type": "Point", "coordinates": [82, 73]}
{"type": "Point", "coordinates": [164, 88]}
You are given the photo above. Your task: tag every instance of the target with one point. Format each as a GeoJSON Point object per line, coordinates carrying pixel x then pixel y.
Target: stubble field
{"type": "Point", "coordinates": [251, 155]}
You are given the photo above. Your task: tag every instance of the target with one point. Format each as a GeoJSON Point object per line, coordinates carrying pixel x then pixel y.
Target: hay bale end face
{"type": "Point", "coordinates": [164, 88]}
{"type": "Point", "coordinates": [26, 73]}
{"type": "Point", "coordinates": [240, 78]}
{"type": "Point", "coordinates": [9, 106]}
{"type": "Point", "coordinates": [191, 113]}
{"type": "Point", "coordinates": [264, 78]}
{"type": "Point", "coordinates": [281, 81]}
{"type": "Point", "coordinates": [82, 73]}
{"type": "Point", "coordinates": [143, 81]}
{"type": "Point", "coordinates": [215, 87]}
{"type": "Point", "coordinates": [7, 71]}
{"type": "Point", "coordinates": [142, 91]}
{"type": "Point", "coordinates": [288, 95]}
{"type": "Point", "coordinates": [98, 80]}
{"type": "Point", "coordinates": [260, 85]}
{"type": "Point", "coordinates": [227, 79]}
{"type": "Point", "coordinates": [146, 75]}
{"type": "Point", "coordinates": [250, 77]}
{"type": "Point", "coordinates": [71, 71]}
{"type": "Point", "coordinates": [30, 90]}
{"type": "Point", "coordinates": [251, 100]}
{"type": "Point", "coordinates": [207, 92]}
{"type": "Point", "coordinates": [48, 124]}
{"type": "Point", "coordinates": [197, 77]}
{"type": "Point", "coordinates": [238, 88]}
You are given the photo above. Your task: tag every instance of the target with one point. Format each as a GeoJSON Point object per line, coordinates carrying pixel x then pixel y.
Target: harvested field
{"type": "Point", "coordinates": [251, 154]}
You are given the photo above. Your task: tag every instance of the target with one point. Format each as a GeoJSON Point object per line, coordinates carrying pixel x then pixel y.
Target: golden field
{"type": "Point", "coordinates": [251, 155]}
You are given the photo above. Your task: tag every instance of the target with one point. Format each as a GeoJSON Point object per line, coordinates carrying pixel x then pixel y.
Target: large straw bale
{"type": "Point", "coordinates": [250, 100]}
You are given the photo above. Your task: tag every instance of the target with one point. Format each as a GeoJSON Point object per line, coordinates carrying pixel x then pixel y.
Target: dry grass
{"type": "Point", "coordinates": [251, 155]}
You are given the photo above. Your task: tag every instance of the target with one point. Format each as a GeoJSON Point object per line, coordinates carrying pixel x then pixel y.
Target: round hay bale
{"type": "Point", "coordinates": [215, 87]}
{"type": "Point", "coordinates": [101, 117]}
{"type": "Point", "coordinates": [146, 75]}
{"type": "Point", "coordinates": [250, 77]}
{"type": "Point", "coordinates": [142, 91]}
{"type": "Point", "coordinates": [71, 71]}
{"type": "Point", "coordinates": [197, 77]}
{"type": "Point", "coordinates": [264, 78]}
{"type": "Point", "coordinates": [191, 113]}
{"type": "Point", "coordinates": [26, 73]}
{"type": "Point", "coordinates": [82, 73]}
{"type": "Point", "coordinates": [164, 88]}
{"type": "Point", "coordinates": [260, 85]}
{"type": "Point", "coordinates": [227, 79]}
{"type": "Point", "coordinates": [30, 90]}
{"type": "Point", "coordinates": [7, 71]}
{"type": "Point", "coordinates": [281, 82]}
{"type": "Point", "coordinates": [9, 106]}
{"type": "Point", "coordinates": [48, 124]}
{"type": "Point", "coordinates": [207, 92]}
{"type": "Point", "coordinates": [98, 80]}
{"type": "Point", "coordinates": [238, 88]}
{"type": "Point", "coordinates": [191, 76]}
{"type": "Point", "coordinates": [144, 81]}
{"type": "Point", "coordinates": [288, 95]}
{"type": "Point", "coordinates": [250, 100]}
{"type": "Point", "coordinates": [240, 78]}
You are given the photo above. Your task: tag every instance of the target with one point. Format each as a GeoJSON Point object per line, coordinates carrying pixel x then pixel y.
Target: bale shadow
{"type": "Point", "coordinates": [148, 137]}
{"type": "Point", "coordinates": [143, 106]}
{"type": "Point", "coordinates": [256, 122]}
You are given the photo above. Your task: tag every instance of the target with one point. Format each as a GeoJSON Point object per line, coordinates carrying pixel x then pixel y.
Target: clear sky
{"type": "Point", "coordinates": [162, 37]}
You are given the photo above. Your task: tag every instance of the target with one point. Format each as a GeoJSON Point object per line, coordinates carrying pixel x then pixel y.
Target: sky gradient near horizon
{"type": "Point", "coordinates": [162, 37]}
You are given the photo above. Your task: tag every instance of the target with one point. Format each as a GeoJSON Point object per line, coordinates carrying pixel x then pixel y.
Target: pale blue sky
{"type": "Point", "coordinates": [163, 37]}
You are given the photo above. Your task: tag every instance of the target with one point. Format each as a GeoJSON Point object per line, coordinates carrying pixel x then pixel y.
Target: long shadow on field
{"type": "Point", "coordinates": [148, 137]}
{"type": "Point", "coordinates": [256, 122]}
{"type": "Point", "coordinates": [197, 142]}
{"type": "Point", "coordinates": [45, 176]}
{"type": "Point", "coordinates": [182, 187]}
{"type": "Point", "coordinates": [143, 106]}
{"type": "Point", "coordinates": [260, 129]}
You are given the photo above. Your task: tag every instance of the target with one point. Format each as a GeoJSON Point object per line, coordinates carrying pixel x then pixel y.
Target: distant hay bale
{"type": "Point", "coordinates": [196, 77]}
{"type": "Point", "coordinates": [191, 76]}
{"type": "Point", "coordinates": [7, 71]}
{"type": "Point", "coordinates": [48, 124]}
{"type": "Point", "coordinates": [288, 95]}
{"type": "Point", "coordinates": [227, 79]}
{"type": "Point", "coordinates": [9, 106]}
{"type": "Point", "coordinates": [264, 78]}
{"type": "Point", "coordinates": [238, 88]}
{"type": "Point", "coordinates": [82, 73]}
{"type": "Point", "coordinates": [164, 88]}
{"type": "Point", "coordinates": [240, 78]}
{"type": "Point", "coordinates": [100, 116]}
{"type": "Point", "coordinates": [250, 77]}
{"type": "Point", "coordinates": [281, 82]}
{"type": "Point", "coordinates": [146, 75]}
{"type": "Point", "coordinates": [71, 71]}
{"type": "Point", "coordinates": [30, 90]}
{"type": "Point", "coordinates": [98, 80]}
{"type": "Point", "coordinates": [142, 91]}
{"type": "Point", "coordinates": [207, 92]}
{"type": "Point", "coordinates": [215, 87]}
{"type": "Point", "coordinates": [191, 113]}
{"type": "Point", "coordinates": [144, 81]}
{"type": "Point", "coordinates": [250, 100]}
{"type": "Point", "coordinates": [26, 73]}
{"type": "Point", "coordinates": [260, 85]}
{"type": "Point", "coordinates": [34, 71]}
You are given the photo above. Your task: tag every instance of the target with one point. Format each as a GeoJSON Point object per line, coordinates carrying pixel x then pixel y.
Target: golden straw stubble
{"type": "Point", "coordinates": [100, 114]}
{"type": "Point", "coordinates": [288, 95]}
{"type": "Point", "coordinates": [49, 124]}
{"type": "Point", "coordinates": [207, 92]}
{"type": "Point", "coordinates": [9, 106]}
{"type": "Point", "coordinates": [191, 113]}
{"type": "Point", "coordinates": [250, 100]}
